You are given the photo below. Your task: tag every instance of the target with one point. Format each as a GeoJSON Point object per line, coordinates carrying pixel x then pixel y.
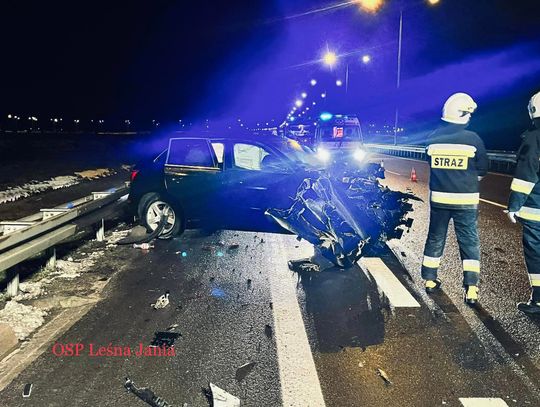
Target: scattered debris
{"type": "Point", "coordinates": [361, 364]}
{"type": "Point", "coordinates": [244, 370]}
{"type": "Point", "coordinates": [220, 398]}
{"type": "Point", "coordinates": [145, 394]}
{"type": "Point", "coordinates": [303, 265]}
{"type": "Point", "coordinates": [384, 376]}
{"type": "Point", "coordinates": [268, 331]}
{"type": "Point", "coordinates": [27, 390]}
{"type": "Point", "coordinates": [172, 327]}
{"type": "Point", "coordinates": [234, 247]}
{"type": "Point", "coordinates": [117, 235]}
{"type": "Point", "coordinates": [165, 339]}
{"type": "Point", "coordinates": [249, 282]}
{"type": "Point", "coordinates": [162, 301]}
{"type": "Point", "coordinates": [143, 246]}
{"type": "Point", "coordinates": [23, 319]}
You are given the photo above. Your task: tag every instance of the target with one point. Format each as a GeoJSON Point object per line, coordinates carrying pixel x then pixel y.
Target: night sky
{"type": "Point", "coordinates": [251, 59]}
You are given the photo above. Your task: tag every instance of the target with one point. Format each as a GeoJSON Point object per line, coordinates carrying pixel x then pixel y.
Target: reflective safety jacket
{"type": "Point", "coordinates": [457, 158]}
{"type": "Point", "coordinates": [525, 188]}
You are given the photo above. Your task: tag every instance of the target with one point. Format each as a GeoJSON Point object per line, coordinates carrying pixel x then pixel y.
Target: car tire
{"type": "Point", "coordinates": [150, 208]}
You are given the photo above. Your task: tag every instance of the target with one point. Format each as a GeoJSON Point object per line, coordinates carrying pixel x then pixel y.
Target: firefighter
{"type": "Point", "coordinates": [458, 161]}
{"type": "Point", "coordinates": [524, 203]}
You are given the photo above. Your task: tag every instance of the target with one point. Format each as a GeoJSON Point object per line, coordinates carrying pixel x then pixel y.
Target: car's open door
{"type": "Point", "coordinates": [258, 178]}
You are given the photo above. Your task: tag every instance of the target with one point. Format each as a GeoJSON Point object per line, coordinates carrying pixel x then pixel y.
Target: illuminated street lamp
{"type": "Point", "coordinates": [433, 2]}
{"type": "Point", "coordinates": [371, 6]}
{"type": "Point", "coordinates": [366, 59]}
{"type": "Point", "coordinates": [323, 95]}
{"type": "Point", "coordinates": [330, 59]}
{"type": "Point", "coordinates": [313, 82]}
{"type": "Point", "coordinates": [299, 103]}
{"type": "Point", "coordinates": [304, 95]}
{"type": "Point", "coordinates": [339, 82]}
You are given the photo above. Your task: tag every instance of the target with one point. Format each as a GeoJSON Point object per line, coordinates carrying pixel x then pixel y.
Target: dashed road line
{"type": "Point", "coordinates": [483, 402]}
{"type": "Point", "coordinates": [397, 294]}
{"type": "Point", "coordinates": [393, 173]}
{"type": "Point", "coordinates": [300, 386]}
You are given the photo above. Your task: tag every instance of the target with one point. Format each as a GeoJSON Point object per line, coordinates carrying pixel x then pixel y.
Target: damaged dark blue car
{"type": "Point", "coordinates": [269, 184]}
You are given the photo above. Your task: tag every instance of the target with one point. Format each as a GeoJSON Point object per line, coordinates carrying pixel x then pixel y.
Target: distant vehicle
{"type": "Point", "coordinates": [338, 138]}
{"type": "Point", "coordinates": [303, 133]}
{"type": "Point", "coordinates": [220, 183]}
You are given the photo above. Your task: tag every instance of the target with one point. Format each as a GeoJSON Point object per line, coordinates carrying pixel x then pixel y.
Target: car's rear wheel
{"type": "Point", "coordinates": [152, 212]}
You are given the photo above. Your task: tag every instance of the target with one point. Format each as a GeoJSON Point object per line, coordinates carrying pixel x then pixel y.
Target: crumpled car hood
{"type": "Point", "coordinates": [346, 217]}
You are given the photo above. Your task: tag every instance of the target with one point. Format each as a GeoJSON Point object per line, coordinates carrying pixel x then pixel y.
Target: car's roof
{"type": "Point", "coordinates": [221, 136]}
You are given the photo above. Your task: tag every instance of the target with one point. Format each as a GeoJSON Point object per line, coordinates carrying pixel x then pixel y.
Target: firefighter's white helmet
{"type": "Point", "coordinates": [458, 108]}
{"type": "Point", "coordinates": [534, 106]}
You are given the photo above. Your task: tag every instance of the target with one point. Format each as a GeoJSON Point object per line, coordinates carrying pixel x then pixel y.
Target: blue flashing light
{"type": "Point", "coordinates": [326, 116]}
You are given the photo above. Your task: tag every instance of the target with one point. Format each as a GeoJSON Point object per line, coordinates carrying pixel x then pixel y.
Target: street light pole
{"type": "Point", "coordinates": [398, 84]}
{"type": "Point", "coordinates": [347, 79]}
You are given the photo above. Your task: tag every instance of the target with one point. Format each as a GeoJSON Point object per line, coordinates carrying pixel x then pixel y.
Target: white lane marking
{"type": "Point", "coordinates": [300, 386]}
{"type": "Point", "coordinates": [397, 294]}
{"type": "Point", "coordinates": [493, 203]}
{"type": "Point", "coordinates": [392, 172]}
{"type": "Point", "coordinates": [483, 402]}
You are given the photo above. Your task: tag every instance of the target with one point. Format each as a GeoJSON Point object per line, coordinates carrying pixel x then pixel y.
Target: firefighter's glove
{"type": "Point", "coordinates": [511, 216]}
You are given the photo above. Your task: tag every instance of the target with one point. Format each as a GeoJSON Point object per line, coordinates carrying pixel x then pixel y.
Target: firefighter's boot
{"type": "Point", "coordinates": [471, 295]}
{"type": "Point", "coordinates": [432, 286]}
{"type": "Point", "coordinates": [529, 308]}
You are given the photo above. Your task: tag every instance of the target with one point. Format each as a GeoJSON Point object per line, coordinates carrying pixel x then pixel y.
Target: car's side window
{"type": "Point", "coordinates": [249, 156]}
{"type": "Point", "coordinates": [191, 153]}
{"type": "Point", "coordinates": [219, 149]}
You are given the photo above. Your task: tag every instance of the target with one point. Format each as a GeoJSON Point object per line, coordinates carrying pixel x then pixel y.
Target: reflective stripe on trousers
{"type": "Point", "coordinates": [465, 225]}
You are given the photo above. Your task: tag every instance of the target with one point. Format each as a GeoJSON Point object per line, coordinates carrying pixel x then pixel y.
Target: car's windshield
{"type": "Point", "coordinates": [298, 153]}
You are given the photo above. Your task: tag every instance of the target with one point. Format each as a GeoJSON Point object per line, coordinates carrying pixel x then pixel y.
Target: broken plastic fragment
{"type": "Point", "coordinates": [161, 302]}
{"type": "Point", "coordinates": [303, 265]}
{"type": "Point", "coordinates": [384, 376]}
{"type": "Point", "coordinates": [220, 398]}
{"type": "Point", "coordinates": [27, 390]}
{"type": "Point", "coordinates": [165, 339]}
{"type": "Point", "coordinates": [145, 394]}
{"type": "Point", "coordinates": [268, 331]}
{"type": "Point", "coordinates": [244, 370]}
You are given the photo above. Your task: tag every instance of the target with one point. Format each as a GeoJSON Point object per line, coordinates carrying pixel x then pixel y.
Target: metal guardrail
{"type": "Point", "coordinates": [26, 237]}
{"type": "Point", "coordinates": [499, 161]}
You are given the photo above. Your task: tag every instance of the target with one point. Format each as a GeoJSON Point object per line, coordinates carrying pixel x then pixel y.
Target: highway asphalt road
{"type": "Point", "coordinates": [368, 336]}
